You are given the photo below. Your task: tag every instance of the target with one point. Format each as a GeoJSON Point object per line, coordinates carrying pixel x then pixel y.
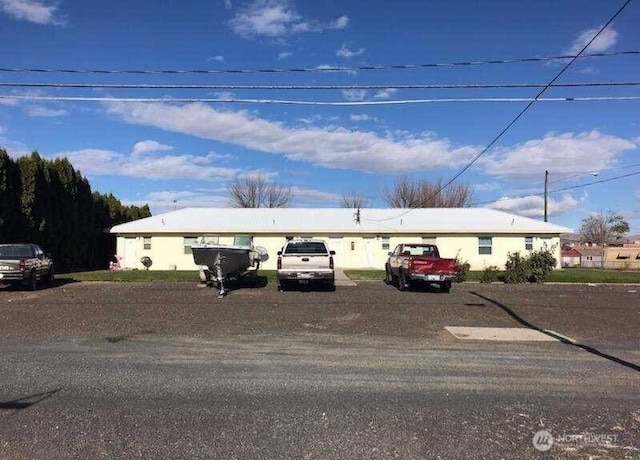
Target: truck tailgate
{"type": "Point", "coordinates": [305, 261]}
{"type": "Point", "coordinates": [431, 265]}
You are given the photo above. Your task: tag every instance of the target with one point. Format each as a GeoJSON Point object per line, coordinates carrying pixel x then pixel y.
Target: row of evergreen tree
{"type": "Point", "coordinates": [49, 203]}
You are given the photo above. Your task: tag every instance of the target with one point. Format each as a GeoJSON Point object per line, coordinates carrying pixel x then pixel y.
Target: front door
{"type": "Point", "coordinates": [369, 252]}
{"type": "Point", "coordinates": [130, 253]}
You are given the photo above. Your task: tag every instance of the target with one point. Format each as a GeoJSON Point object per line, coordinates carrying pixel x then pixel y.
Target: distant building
{"type": "Point", "coordinates": [570, 258]}
{"type": "Point", "coordinates": [591, 257]}
{"type": "Point", "coordinates": [481, 236]}
{"type": "Point", "coordinates": [622, 258]}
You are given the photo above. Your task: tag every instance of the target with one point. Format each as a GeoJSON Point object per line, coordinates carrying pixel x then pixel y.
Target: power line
{"type": "Point", "coordinates": [528, 106]}
{"type": "Point", "coordinates": [318, 103]}
{"type": "Point", "coordinates": [564, 189]}
{"type": "Point", "coordinates": [592, 172]}
{"type": "Point", "coordinates": [319, 87]}
{"type": "Point", "coordinates": [320, 68]}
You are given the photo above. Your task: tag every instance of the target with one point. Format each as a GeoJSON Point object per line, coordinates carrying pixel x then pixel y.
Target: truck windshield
{"type": "Point", "coordinates": [306, 247]}
{"type": "Point", "coordinates": [427, 251]}
{"type": "Point", "coordinates": [20, 251]}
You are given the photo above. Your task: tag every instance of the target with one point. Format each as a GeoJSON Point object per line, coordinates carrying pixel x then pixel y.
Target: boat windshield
{"type": "Point", "coordinates": [242, 240]}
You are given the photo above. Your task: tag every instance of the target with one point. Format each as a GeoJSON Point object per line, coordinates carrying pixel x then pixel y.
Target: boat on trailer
{"type": "Point", "coordinates": [220, 263]}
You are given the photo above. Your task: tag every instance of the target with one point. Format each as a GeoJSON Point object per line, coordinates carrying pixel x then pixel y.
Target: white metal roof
{"type": "Point", "coordinates": [298, 221]}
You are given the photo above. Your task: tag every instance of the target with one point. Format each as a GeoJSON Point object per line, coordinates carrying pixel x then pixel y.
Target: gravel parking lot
{"type": "Point", "coordinates": [594, 314]}
{"type": "Point", "coordinates": [168, 370]}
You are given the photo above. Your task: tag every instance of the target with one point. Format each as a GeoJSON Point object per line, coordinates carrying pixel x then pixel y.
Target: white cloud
{"type": "Point", "coordinates": [9, 101]}
{"type": "Point", "coordinates": [559, 154]}
{"type": "Point", "coordinates": [271, 18]}
{"type": "Point", "coordinates": [277, 18]}
{"type": "Point", "coordinates": [149, 146]}
{"type": "Point", "coordinates": [385, 93]}
{"type": "Point", "coordinates": [333, 68]}
{"type": "Point", "coordinates": [340, 23]}
{"type": "Point", "coordinates": [533, 206]}
{"type": "Point", "coordinates": [96, 162]}
{"type": "Point", "coordinates": [169, 200]}
{"type": "Point", "coordinates": [221, 157]}
{"type": "Point", "coordinates": [329, 147]}
{"type": "Point", "coordinates": [346, 53]}
{"type": "Point", "coordinates": [307, 195]}
{"type": "Point", "coordinates": [31, 11]}
{"type": "Point", "coordinates": [486, 186]}
{"type": "Point", "coordinates": [354, 94]}
{"type": "Point", "coordinates": [39, 111]}
{"type": "Point", "coordinates": [607, 39]}
{"type": "Point", "coordinates": [218, 58]}
{"type": "Point", "coordinates": [285, 54]}
{"type": "Point", "coordinates": [224, 95]}
{"type": "Point", "coordinates": [359, 117]}
{"type": "Point", "coordinates": [227, 4]}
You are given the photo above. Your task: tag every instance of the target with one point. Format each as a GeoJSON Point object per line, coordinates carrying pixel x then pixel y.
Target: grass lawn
{"type": "Point", "coordinates": [147, 275]}
{"type": "Point", "coordinates": [574, 275]}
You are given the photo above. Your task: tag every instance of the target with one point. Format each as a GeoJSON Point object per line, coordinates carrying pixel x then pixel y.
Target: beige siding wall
{"type": "Point", "coordinates": [352, 251]}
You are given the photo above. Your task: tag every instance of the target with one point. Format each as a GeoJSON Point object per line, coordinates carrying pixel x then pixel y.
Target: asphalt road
{"type": "Point", "coordinates": [167, 370]}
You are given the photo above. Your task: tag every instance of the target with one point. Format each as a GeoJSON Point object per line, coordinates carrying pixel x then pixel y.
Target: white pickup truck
{"type": "Point", "coordinates": [303, 262]}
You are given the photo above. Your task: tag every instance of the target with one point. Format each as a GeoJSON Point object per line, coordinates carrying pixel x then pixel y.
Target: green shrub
{"type": "Point", "coordinates": [490, 274]}
{"type": "Point", "coordinates": [516, 268]}
{"type": "Point", "coordinates": [462, 270]}
{"type": "Point", "coordinates": [533, 268]}
{"type": "Point", "coordinates": [541, 263]}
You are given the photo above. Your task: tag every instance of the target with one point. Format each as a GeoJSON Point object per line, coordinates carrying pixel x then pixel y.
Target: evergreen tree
{"type": "Point", "coordinates": [49, 203]}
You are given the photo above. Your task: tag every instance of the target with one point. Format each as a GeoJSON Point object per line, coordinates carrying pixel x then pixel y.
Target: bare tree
{"type": "Point", "coordinates": [353, 200]}
{"type": "Point", "coordinates": [603, 229]}
{"type": "Point", "coordinates": [408, 193]}
{"type": "Point", "coordinates": [254, 191]}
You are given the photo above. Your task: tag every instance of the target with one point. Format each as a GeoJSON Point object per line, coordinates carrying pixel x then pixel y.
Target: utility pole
{"type": "Point", "coordinates": [546, 190]}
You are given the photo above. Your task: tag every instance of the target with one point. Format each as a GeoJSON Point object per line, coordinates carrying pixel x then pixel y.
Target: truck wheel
{"type": "Point", "coordinates": [446, 287]}
{"type": "Point", "coordinates": [50, 276]}
{"type": "Point", "coordinates": [32, 282]}
{"type": "Point", "coordinates": [402, 281]}
{"type": "Point", "coordinates": [389, 278]}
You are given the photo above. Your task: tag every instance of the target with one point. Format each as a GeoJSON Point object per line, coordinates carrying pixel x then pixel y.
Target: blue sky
{"type": "Point", "coordinates": [165, 151]}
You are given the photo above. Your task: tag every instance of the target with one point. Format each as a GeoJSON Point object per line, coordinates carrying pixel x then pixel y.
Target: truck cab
{"type": "Point", "coordinates": [411, 263]}
{"type": "Point", "coordinates": [305, 261]}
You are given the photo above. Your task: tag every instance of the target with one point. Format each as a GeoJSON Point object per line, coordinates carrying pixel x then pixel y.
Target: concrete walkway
{"type": "Point", "coordinates": [342, 279]}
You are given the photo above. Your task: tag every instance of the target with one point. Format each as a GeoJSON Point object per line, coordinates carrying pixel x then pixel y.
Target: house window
{"type": "Point", "coordinates": [484, 244]}
{"type": "Point", "coordinates": [188, 242]}
{"type": "Point", "coordinates": [622, 256]}
{"type": "Point", "coordinates": [528, 243]}
{"type": "Point", "coordinates": [385, 243]}
{"type": "Point", "coordinates": [146, 242]}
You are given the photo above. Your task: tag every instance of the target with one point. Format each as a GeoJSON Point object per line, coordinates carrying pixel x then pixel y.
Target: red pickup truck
{"type": "Point", "coordinates": [411, 263]}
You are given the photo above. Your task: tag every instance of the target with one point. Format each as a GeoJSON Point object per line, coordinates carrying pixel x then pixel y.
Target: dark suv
{"type": "Point", "coordinates": [24, 264]}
